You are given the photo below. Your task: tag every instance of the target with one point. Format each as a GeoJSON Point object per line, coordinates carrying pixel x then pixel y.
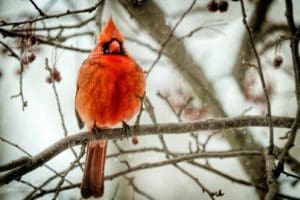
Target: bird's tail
{"type": "Point", "coordinates": [93, 177]}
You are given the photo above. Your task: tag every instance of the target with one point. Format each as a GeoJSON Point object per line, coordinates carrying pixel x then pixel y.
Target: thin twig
{"type": "Point", "coordinates": [170, 36]}
{"type": "Point", "coordinates": [137, 189]}
{"type": "Point", "coordinates": [77, 160]}
{"type": "Point", "coordinates": [14, 54]}
{"type": "Point", "coordinates": [208, 26]}
{"type": "Point", "coordinates": [21, 93]}
{"type": "Point", "coordinates": [57, 27]}
{"type": "Point", "coordinates": [40, 40]}
{"type": "Point", "coordinates": [37, 8]}
{"type": "Point", "coordinates": [203, 188]}
{"type": "Point", "coordinates": [261, 75]}
{"type": "Point", "coordinates": [68, 12]}
{"type": "Point", "coordinates": [63, 124]}
{"type": "Point", "coordinates": [294, 44]}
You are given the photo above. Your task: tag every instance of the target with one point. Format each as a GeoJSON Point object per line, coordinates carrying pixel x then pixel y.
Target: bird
{"type": "Point", "coordinates": [110, 89]}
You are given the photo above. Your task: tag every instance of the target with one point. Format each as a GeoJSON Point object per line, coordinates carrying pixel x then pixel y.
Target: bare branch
{"type": "Point", "coordinates": [57, 27]}
{"type": "Point", "coordinates": [261, 75]}
{"type": "Point", "coordinates": [163, 45]}
{"type": "Point", "coordinates": [118, 133]}
{"type": "Point", "coordinates": [137, 189]}
{"type": "Point", "coordinates": [37, 8]}
{"type": "Point", "coordinates": [68, 12]}
{"type": "Point", "coordinates": [296, 65]}
{"type": "Point", "coordinates": [14, 54]}
{"type": "Point", "coordinates": [8, 33]}
{"type": "Point", "coordinates": [14, 163]}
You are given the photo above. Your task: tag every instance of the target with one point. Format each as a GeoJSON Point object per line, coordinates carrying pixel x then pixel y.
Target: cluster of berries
{"type": "Point", "coordinates": [54, 76]}
{"type": "Point", "coordinates": [214, 6]}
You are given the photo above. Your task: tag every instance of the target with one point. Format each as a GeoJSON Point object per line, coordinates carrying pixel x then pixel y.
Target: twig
{"type": "Point", "coordinates": [209, 26]}
{"type": "Point", "coordinates": [37, 8]}
{"type": "Point", "coordinates": [236, 180]}
{"type": "Point", "coordinates": [49, 69]}
{"type": "Point", "coordinates": [8, 33]}
{"type": "Point", "coordinates": [68, 12]}
{"type": "Point", "coordinates": [27, 183]}
{"type": "Point", "coordinates": [60, 183]}
{"type": "Point", "coordinates": [137, 189]}
{"type": "Point", "coordinates": [141, 43]}
{"type": "Point", "coordinates": [14, 54]}
{"type": "Point", "coordinates": [204, 189]}
{"type": "Point", "coordinates": [290, 175]}
{"type": "Point", "coordinates": [169, 37]}
{"type": "Point", "coordinates": [294, 44]}
{"type": "Point", "coordinates": [115, 192]}
{"type": "Point", "coordinates": [31, 195]}
{"type": "Point", "coordinates": [21, 94]}
{"type": "Point", "coordinates": [261, 75]}
{"type": "Point", "coordinates": [57, 27]}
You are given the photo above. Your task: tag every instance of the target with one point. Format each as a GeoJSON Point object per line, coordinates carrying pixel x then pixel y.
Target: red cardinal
{"type": "Point", "coordinates": [109, 89]}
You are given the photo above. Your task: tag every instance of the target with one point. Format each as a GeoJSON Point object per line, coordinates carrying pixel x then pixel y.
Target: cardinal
{"type": "Point", "coordinates": [110, 87]}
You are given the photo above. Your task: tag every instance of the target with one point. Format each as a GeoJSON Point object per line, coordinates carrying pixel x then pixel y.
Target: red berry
{"type": "Point", "coordinates": [27, 58]}
{"type": "Point", "coordinates": [277, 61]}
{"type": "Point", "coordinates": [212, 6]}
{"type": "Point", "coordinates": [49, 79]}
{"type": "Point", "coordinates": [55, 75]}
{"type": "Point", "coordinates": [134, 140]}
{"type": "Point", "coordinates": [223, 6]}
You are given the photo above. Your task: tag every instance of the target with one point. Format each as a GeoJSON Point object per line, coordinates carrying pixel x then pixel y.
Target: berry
{"type": "Point", "coordinates": [223, 6]}
{"type": "Point", "coordinates": [27, 58]}
{"type": "Point", "coordinates": [212, 6]}
{"type": "Point", "coordinates": [134, 140]}
{"type": "Point", "coordinates": [49, 79]}
{"type": "Point", "coordinates": [277, 61]}
{"type": "Point", "coordinates": [55, 75]}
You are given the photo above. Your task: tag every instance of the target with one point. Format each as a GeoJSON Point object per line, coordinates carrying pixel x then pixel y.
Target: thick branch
{"type": "Point", "coordinates": [118, 133]}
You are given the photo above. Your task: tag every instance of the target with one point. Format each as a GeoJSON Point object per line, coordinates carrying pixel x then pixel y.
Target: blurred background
{"type": "Point", "coordinates": [201, 68]}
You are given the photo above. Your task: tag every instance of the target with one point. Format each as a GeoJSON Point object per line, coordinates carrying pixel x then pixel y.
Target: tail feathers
{"type": "Point", "coordinates": [93, 178]}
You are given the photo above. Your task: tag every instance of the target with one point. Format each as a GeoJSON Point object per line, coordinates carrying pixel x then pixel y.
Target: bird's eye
{"type": "Point", "coordinates": [105, 47]}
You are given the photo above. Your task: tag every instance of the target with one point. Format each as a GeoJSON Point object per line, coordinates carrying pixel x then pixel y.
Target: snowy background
{"type": "Point", "coordinates": [39, 125]}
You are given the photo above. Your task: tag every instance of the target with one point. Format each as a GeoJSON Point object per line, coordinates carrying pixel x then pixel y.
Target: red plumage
{"type": "Point", "coordinates": [110, 85]}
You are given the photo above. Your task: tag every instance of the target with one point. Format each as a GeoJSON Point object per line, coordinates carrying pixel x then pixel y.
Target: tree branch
{"type": "Point", "coordinates": [37, 8]}
{"type": "Point", "coordinates": [118, 133]}
{"type": "Point", "coordinates": [68, 12]}
{"type": "Point", "coordinates": [294, 44]}
{"type": "Point", "coordinates": [40, 40]}
{"type": "Point", "coordinates": [261, 75]}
